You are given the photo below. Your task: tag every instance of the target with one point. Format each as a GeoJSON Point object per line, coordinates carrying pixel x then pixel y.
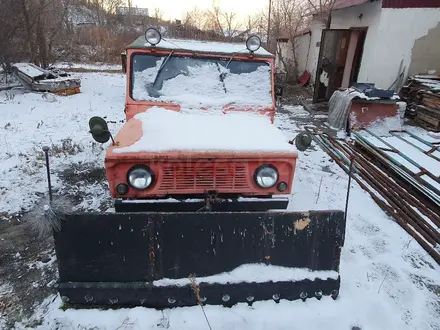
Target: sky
{"type": "Point", "coordinates": [174, 9]}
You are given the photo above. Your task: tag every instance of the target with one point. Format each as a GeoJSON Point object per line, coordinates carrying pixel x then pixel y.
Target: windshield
{"type": "Point", "coordinates": [196, 82]}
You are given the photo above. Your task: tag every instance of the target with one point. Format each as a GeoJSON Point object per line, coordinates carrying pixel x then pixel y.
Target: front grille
{"type": "Point", "coordinates": [205, 176]}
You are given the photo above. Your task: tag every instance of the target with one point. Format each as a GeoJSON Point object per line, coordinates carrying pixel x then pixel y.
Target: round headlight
{"type": "Point", "coordinates": [153, 36]}
{"type": "Point", "coordinates": [253, 43]}
{"type": "Point", "coordinates": [140, 177]}
{"type": "Point", "coordinates": [266, 176]}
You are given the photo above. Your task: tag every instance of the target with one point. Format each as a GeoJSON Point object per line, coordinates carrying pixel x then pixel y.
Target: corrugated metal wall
{"type": "Point", "coordinates": [411, 4]}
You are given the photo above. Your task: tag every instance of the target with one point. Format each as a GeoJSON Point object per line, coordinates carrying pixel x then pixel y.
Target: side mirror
{"type": "Point", "coordinates": [302, 141]}
{"type": "Point", "coordinates": [99, 129]}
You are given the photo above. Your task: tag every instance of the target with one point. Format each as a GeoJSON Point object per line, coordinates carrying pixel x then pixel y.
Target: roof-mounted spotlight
{"type": "Point", "coordinates": [153, 36]}
{"type": "Point", "coordinates": [253, 43]}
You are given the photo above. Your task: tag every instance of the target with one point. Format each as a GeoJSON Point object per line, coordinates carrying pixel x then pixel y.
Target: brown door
{"type": "Point", "coordinates": [331, 63]}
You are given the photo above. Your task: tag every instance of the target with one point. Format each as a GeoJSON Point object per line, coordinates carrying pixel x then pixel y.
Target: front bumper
{"type": "Point", "coordinates": [194, 205]}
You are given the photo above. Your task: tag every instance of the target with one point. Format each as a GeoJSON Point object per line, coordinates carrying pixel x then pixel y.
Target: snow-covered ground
{"type": "Point", "coordinates": [388, 280]}
{"type": "Point", "coordinates": [85, 66]}
{"type": "Point", "coordinates": [31, 120]}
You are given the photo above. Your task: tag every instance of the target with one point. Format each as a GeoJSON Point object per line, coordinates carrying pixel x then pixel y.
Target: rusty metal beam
{"type": "Point", "coordinates": [396, 200]}
{"type": "Point", "coordinates": [381, 184]}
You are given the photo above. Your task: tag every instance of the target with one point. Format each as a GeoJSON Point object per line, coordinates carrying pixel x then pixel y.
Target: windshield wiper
{"type": "Point", "coordinates": [222, 76]}
{"type": "Point", "coordinates": [230, 60]}
{"type": "Point", "coordinates": [162, 67]}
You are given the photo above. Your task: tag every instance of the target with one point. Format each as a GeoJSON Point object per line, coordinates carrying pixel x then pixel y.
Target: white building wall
{"type": "Point", "coordinates": [301, 48]}
{"type": "Point", "coordinates": [284, 50]}
{"type": "Point", "coordinates": [312, 61]}
{"type": "Point", "coordinates": [365, 15]}
{"type": "Point", "coordinates": [390, 37]}
{"type": "Point", "coordinates": [307, 49]}
{"type": "Point", "coordinates": [396, 34]}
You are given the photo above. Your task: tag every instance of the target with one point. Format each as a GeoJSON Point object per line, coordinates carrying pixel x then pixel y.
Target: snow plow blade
{"type": "Point", "coordinates": [146, 259]}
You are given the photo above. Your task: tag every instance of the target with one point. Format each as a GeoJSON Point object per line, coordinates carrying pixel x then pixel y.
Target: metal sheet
{"type": "Point", "coordinates": [112, 259]}
{"type": "Point", "coordinates": [141, 294]}
{"type": "Point", "coordinates": [411, 4]}
{"type": "Point", "coordinates": [257, 205]}
{"type": "Point", "coordinates": [130, 247]}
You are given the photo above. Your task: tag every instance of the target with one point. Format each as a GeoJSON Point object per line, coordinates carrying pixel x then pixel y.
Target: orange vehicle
{"type": "Point", "coordinates": [201, 180]}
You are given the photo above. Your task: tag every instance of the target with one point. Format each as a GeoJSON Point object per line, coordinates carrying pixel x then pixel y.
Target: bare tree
{"type": "Point", "coordinates": [110, 6]}
{"type": "Point", "coordinates": [226, 24]}
{"type": "Point", "coordinates": [287, 18]}
{"type": "Point", "coordinates": [194, 18]}
{"type": "Point", "coordinates": [212, 20]}
{"type": "Point", "coordinates": [42, 22]}
{"type": "Point", "coordinates": [10, 29]}
{"type": "Point", "coordinates": [157, 14]}
{"type": "Point", "coordinates": [231, 23]}
{"type": "Point", "coordinates": [322, 8]}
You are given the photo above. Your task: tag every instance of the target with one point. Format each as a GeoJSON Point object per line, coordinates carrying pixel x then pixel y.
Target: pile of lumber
{"type": "Point", "coordinates": [422, 94]}
{"type": "Point", "coordinates": [411, 198]}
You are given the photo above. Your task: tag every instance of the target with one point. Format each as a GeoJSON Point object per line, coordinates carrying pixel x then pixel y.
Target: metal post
{"type": "Point", "coordinates": [350, 172]}
{"type": "Point", "coordinates": [46, 152]}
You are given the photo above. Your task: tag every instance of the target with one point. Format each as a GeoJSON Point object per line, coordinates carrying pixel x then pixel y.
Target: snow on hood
{"type": "Point", "coordinates": [167, 130]}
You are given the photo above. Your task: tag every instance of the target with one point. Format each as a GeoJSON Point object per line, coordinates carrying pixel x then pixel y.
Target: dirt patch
{"type": "Point", "coordinates": [84, 174]}
{"type": "Point", "coordinates": [293, 94]}
{"type": "Point", "coordinates": [85, 186]}
{"type": "Point", "coordinates": [27, 269]}
{"type": "Point", "coordinates": [327, 169]}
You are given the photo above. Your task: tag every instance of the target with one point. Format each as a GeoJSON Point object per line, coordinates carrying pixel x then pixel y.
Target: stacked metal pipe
{"type": "Point", "coordinates": [402, 195]}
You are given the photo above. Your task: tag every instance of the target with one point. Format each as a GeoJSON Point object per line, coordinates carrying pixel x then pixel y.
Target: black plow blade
{"type": "Point", "coordinates": [165, 260]}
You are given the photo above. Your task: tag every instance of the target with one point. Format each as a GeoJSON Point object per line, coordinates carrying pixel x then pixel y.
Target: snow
{"type": "Point", "coordinates": [28, 122]}
{"type": "Point", "coordinates": [370, 98]}
{"type": "Point", "coordinates": [207, 131]}
{"type": "Point", "coordinates": [387, 280]}
{"type": "Point", "coordinates": [419, 144]}
{"type": "Point", "coordinates": [383, 126]}
{"type": "Point", "coordinates": [135, 11]}
{"type": "Point", "coordinates": [432, 84]}
{"type": "Point", "coordinates": [5, 289]}
{"type": "Point", "coordinates": [202, 86]}
{"type": "Point", "coordinates": [429, 82]}
{"type": "Point", "coordinates": [89, 66]}
{"type": "Point", "coordinates": [385, 275]}
{"type": "Point", "coordinates": [414, 154]}
{"type": "Point", "coordinates": [207, 46]}
{"type": "Point", "coordinates": [81, 15]}
{"type": "Point", "coordinates": [296, 110]}
{"type": "Point", "coordinates": [29, 69]}
{"type": "Point", "coordinates": [255, 273]}
{"type": "Point", "coordinates": [54, 80]}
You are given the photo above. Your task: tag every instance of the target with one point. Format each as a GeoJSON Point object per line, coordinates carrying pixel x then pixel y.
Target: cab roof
{"type": "Point", "coordinates": [199, 47]}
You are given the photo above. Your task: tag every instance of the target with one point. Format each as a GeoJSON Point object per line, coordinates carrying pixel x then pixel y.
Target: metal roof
{"type": "Point", "coordinates": [339, 4]}
{"type": "Point", "coordinates": [411, 4]}
{"type": "Point", "coordinates": [208, 47]}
